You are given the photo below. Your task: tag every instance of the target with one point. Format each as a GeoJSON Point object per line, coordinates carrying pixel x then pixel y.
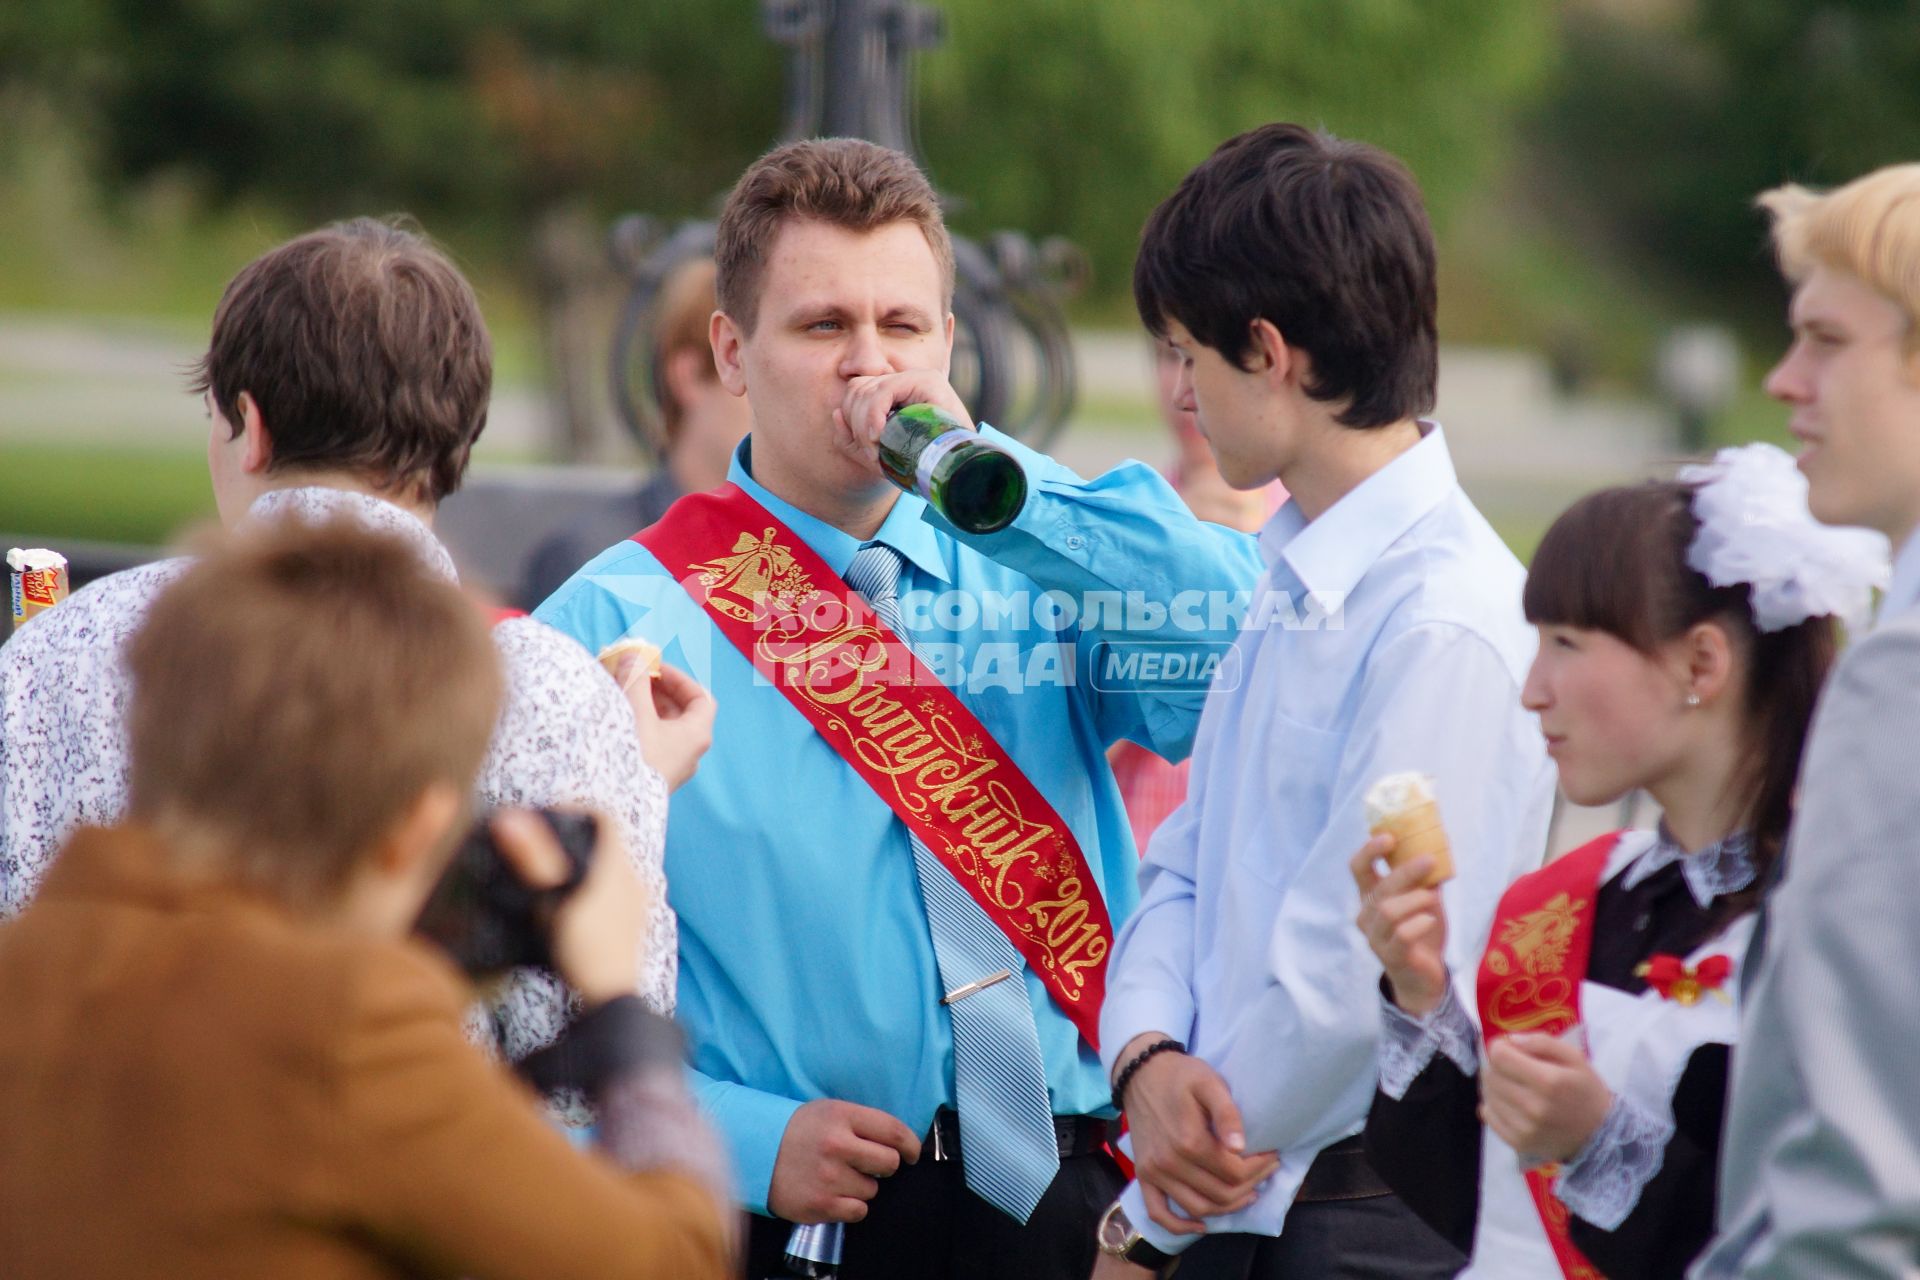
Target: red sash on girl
{"type": "Point", "coordinates": [1530, 981]}
{"type": "Point", "coordinates": [901, 729]}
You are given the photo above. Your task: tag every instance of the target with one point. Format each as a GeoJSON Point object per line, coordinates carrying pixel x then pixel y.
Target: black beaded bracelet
{"type": "Point", "coordinates": [1139, 1060]}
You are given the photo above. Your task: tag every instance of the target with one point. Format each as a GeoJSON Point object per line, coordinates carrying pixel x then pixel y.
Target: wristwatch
{"type": "Point", "coordinates": [1119, 1238]}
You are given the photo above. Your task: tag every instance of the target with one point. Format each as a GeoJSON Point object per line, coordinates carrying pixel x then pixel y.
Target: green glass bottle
{"type": "Point", "coordinates": [978, 486]}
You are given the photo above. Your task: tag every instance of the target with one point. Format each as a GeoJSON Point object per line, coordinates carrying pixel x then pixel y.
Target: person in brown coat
{"type": "Point", "coordinates": [222, 1055]}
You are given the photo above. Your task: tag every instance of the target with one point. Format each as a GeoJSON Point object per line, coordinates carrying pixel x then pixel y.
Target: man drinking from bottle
{"type": "Point", "coordinates": [899, 870]}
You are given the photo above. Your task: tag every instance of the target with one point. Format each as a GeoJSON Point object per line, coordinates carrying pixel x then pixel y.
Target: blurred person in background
{"type": "Point", "coordinates": [701, 420]}
{"type": "Point", "coordinates": [348, 376]}
{"type": "Point", "coordinates": [225, 1057]}
{"type": "Point", "coordinates": [1820, 1172]}
{"type": "Point", "coordinates": [1151, 786]}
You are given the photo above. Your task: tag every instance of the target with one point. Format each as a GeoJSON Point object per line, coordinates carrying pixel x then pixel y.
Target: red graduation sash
{"type": "Point", "coordinates": [1530, 980]}
{"type": "Point", "coordinates": [901, 729]}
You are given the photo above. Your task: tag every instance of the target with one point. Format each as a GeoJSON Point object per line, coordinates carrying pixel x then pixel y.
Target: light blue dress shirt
{"type": "Point", "coordinates": [1244, 946]}
{"type": "Point", "coordinates": [806, 966]}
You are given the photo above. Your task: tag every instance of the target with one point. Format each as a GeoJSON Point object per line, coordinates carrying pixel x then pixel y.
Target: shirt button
{"type": "Point", "coordinates": [1075, 542]}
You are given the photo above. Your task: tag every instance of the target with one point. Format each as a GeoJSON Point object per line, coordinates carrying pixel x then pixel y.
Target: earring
{"type": "Point", "coordinates": [1693, 699]}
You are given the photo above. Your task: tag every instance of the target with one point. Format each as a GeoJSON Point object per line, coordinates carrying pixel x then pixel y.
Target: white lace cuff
{"type": "Point", "coordinates": [1604, 1181]}
{"type": "Point", "coordinates": [1407, 1043]}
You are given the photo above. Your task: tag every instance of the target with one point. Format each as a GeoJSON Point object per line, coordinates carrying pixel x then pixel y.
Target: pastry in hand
{"type": "Point", "coordinates": [647, 653]}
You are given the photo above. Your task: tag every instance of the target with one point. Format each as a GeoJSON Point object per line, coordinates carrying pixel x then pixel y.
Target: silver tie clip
{"type": "Point", "coordinates": [961, 993]}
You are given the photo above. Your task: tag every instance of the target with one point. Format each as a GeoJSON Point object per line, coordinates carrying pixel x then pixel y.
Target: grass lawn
{"type": "Point", "coordinates": [107, 495]}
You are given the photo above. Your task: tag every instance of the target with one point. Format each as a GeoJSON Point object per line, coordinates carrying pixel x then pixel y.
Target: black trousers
{"type": "Point", "coordinates": [1375, 1238]}
{"type": "Point", "coordinates": [925, 1225]}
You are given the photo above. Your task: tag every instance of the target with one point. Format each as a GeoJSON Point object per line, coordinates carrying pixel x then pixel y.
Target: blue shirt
{"type": "Point", "coordinates": [1386, 636]}
{"type": "Point", "coordinates": [806, 966]}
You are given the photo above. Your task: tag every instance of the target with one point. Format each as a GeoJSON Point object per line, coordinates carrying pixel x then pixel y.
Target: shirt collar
{"type": "Point", "coordinates": [1903, 592]}
{"type": "Point", "coordinates": [1712, 872]}
{"type": "Point", "coordinates": [1331, 554]}
{"type": "Point", "coordinates": [318, 504]}
{"type": "Point", "coordinates": [904, 530]}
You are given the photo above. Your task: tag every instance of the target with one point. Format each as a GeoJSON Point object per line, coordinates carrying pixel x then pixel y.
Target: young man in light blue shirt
{"type": "Point", "coordinates": [1294, 272]}
{"type": "Point", "coordinates": [831, 1023]}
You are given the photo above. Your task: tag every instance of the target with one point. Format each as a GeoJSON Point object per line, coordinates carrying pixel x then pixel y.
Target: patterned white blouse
{"type": "Point", "coordinates": [565, 738]}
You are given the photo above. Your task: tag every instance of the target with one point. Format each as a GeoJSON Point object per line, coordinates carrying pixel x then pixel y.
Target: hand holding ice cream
{"type": "Point", "coordinates": [1401, 913]}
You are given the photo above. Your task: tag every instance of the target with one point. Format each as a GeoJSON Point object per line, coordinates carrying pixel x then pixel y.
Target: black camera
{"type": "Point", "coordinates": [483, 915]}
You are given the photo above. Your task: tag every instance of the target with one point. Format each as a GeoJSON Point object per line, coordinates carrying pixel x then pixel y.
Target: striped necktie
{"type": "Point", "coordinates": [1008, 1150]}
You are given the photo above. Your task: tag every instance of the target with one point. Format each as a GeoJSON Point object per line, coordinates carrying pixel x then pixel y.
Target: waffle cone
{"type": "Point", "coordinates": [1417, 832]}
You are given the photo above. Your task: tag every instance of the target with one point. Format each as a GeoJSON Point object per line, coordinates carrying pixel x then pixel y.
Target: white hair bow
{"type": "Point", "coordinates": [1755, 528]}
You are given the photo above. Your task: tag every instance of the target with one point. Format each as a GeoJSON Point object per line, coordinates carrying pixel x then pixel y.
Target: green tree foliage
{"type": "Point", "coordinates": [1663, 132]}
{"type": "Point", "coordinates": [461, 109]}
{"type": "Point", "coordinates": [1065, 116]}
{"type": "Point", "coordinates": [1051, 116]}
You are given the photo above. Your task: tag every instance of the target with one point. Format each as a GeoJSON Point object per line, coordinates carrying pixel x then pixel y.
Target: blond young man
{"type": "Point", "coordinates": [1820, 1169]}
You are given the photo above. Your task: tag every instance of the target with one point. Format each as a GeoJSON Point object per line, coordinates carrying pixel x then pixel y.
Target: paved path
{"type": "Point", "coordinates": [1522, 451]}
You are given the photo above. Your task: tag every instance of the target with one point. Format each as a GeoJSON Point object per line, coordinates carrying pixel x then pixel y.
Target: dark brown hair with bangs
{"type": "Point", "coordinates": [1325, 238]}
{"type": "Point", "coordinates": [1616, 561]}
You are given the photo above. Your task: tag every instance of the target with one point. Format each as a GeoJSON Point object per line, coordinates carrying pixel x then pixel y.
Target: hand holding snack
{"type": "Point", "coordinates": [1402, 805]}
{"type": "Point", "coordinates": [645, 655]}
{"type": "Point", "coordinates": [672, 713]}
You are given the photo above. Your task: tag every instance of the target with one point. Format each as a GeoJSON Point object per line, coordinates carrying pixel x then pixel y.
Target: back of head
{"type": "Point", "coordinates": [364, 348]}
{"type": "Point", "coordinates": [294, 692]}
{"type": "Point", "coordinates": [844, 182]}
{"type": "Point", "coordinates": [1870, 228]}
{"type": "Point", "coordinates": [1617, 562]}
{"type": "Point", "coordinates": [1326, 239]}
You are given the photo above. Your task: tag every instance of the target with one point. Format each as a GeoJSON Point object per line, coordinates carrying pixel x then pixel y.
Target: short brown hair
{"type": "Point", "coordinates": [365, 350]}
{"type": "Point", "coordinates": [683, 314]}
{"type": "Point", "coordinates": [1869, 228]}
{"type": "Point", "coordinates": [1326, 239]}
{"type": "Point", "coordinates": [295, 690]}
{"type": "Point", "coordinates": [843, 182]}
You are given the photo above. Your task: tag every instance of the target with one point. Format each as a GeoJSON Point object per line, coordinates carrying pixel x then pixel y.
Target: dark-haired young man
{"type": "Point", "coordinates": [347, 377]}
{"type": "Point", "coordinates": [1294, 273]}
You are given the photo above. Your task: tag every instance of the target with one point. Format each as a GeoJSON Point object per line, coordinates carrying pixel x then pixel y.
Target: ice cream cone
{"type": "Point", "coordinates": [1417, 832]}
